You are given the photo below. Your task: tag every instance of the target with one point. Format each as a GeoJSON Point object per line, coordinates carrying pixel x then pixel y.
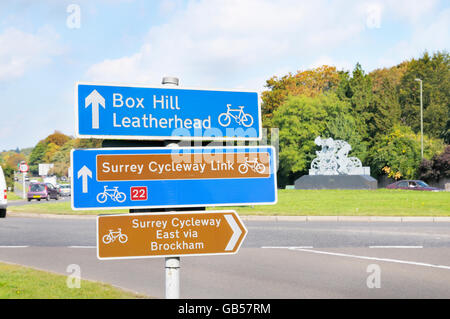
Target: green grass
{"type": "Point", "coordinates": [60, 208]}
{"type": "Point", "coordinates": [13, 196]}
{"type": "Point", "coordinates": [380, 202]}
{"type": "Point", "coordinates": [18, 282]}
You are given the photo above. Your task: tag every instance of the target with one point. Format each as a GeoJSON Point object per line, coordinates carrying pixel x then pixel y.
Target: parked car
{"type": "Point", "coordinates": [3, 195]}
{"type": "Point", "coordinates": [64, 189]}
{"type": "Point", "coordinates": [412, 185]}
{"type": "Point", "coordinates": [40, 191]}
{"type": "Point", "coordinates": [53, 191]}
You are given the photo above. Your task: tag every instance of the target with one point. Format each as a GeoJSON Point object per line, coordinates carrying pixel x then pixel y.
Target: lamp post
{"type": "Point", "coordinates": [421, 117]}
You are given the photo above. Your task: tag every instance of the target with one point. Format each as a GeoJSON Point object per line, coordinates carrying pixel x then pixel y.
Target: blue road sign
{"type": "Point", "coordinates": [163, 113]}
{"type": "Point", "coordinates": [173, 177]}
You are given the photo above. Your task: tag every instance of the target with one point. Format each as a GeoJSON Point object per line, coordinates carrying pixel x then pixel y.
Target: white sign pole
{"type": "Point", "coordinates": [23, 185]}
{"type": "Point", "coordinates": [172, 264]}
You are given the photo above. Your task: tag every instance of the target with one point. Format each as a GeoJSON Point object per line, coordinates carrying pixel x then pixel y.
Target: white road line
{"type": "Point", "coordinates": [82, 247]}
{"type": "Point", "coordinates": [396, 247]}
{"type": "Point", "coordinates": [374, 258]}
{"type": "Point", "coordinates": [14, 246]}
{"type": "Point", "coordinates": [287, 247]}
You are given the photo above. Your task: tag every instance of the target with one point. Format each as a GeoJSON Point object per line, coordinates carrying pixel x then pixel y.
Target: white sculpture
{"type": "Point", "coordinates": [333, 159]}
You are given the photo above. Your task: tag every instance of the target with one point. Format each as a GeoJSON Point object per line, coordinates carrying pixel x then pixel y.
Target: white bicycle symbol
{"type": "Point", "coordinates": [237, 114]}
{"type": "Point", "coordinates": [113, 235]}
{"type": "Point", "coordinates": [254, 165]}
{"type": "Point", "coordinates": [114, 194]}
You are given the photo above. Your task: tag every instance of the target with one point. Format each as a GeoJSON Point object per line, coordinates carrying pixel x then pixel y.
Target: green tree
{"type": "Point", "coordinates": [300, 120]}
{"type": "Point", "coordinates": [386, 108]}
{"type": "Point", "coordinates": [434, 71]}
{"type": "Point", "coordinates": [397, 153]}
{"type": "Point", "coordinates": [357, 90]}
{"type": "Point", "coordinates": [37, 156]}
{"type": "Point", "coordinates": [342, 127]}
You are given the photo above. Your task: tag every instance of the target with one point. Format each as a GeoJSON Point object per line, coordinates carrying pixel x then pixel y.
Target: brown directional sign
{"type": "Point", "coordinates": [129, 167]}
{"type": "Point", "coordinates": [169, 234]}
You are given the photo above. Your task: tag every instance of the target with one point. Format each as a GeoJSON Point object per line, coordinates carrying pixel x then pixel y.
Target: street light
{"type": "Point", "coordinates": [421, 116]}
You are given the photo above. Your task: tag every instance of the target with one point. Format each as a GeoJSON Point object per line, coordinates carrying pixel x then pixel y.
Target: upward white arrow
{"type": "Point", "coordinates": [84, 173]}
{"type": "Point", "coordinates": [95, 99]}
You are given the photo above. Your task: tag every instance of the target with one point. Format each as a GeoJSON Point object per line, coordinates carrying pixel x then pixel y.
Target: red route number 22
{"type": "Point", "coordinates": [138, 193]}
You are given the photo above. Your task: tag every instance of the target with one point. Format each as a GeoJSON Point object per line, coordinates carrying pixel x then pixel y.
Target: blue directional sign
{"type": "Point", "coordinates": [173, 177]}
{"type": "Point", "coordinates": [164, 113]}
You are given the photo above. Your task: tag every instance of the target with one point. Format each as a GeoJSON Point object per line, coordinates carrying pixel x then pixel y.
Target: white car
{"type": "Point", "coordinates": [64, 189]}
{"type": "Point", "coordinates": [3, 196]}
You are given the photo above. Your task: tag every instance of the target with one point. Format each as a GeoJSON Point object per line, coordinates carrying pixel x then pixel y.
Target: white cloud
{"type": "Point", "coordinates": [411, 10]}
{"type": "Point", "coordinates": [215, 42]}
{"type": "Point", "coordinates": [218, 43]}
{"type": "Point", "coordinates": [21, 51]}
{"type": "Point", "coordinates": [326, 60]}
{"type": "Point", "coordinates": [432, 37]}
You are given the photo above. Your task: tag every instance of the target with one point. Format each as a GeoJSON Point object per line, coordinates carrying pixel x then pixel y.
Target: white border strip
{"type": "Point", "coordinates": [287, 247]}
{"type": "Point", "coordinates": [14, 246]}
{"type": "Point", "coordinates": [401, 247]}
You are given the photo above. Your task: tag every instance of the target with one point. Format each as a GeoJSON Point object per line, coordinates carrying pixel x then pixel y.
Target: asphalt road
{"type": "Point", "coordinates": [277, 259]}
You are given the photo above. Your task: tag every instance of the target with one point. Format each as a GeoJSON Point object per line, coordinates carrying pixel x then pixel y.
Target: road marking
{"type": "Point", "coordinates": [287, 247]}
{"type": "Point", "coordinates": [14, 246]}
{"type": "Point", "coordinates": [82, 247]}
{"type": "Point", "coordinates": [373, 258]}
{"type": "Point", "coordinates": [395, 246]}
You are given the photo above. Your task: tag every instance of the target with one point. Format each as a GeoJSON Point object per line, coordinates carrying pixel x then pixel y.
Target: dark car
{"type": "Point", "coordinates": [412, 185]}
{"type": "Point", "coordinates": [40, 191]}
{"type": "Point", "coordinates": [53, 191]}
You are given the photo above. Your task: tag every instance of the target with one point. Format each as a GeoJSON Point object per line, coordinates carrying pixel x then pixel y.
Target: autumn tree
{"type": "Point", "coordinates": [307, 83]}
{"type": "Point", "coordinates": [57, 138]}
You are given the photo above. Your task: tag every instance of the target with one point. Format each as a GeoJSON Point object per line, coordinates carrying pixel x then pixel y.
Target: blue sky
{"type": "Point", "coordinates": [206, 43]}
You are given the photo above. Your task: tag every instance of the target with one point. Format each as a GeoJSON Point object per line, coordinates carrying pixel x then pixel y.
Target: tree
{"type": "Point", "coordinates": [436, 168]}
{"type": "Point", "coordinates": [37, 156]}
{"type": "Point", "coordinates": [398, 153]}
{"type": "Point", "coordinates": [357, 90]}
{"type": "Point", "coordinates": [13, 159]}
{"type": "Point", "coordinates": [342, 127]}
{"type": "Point", "coordinates": [51, 149]}
{"type": "Point", "coordinates": [57, 138]}
{"type": "Point", "coordinates": [308, 83]}
{"type": "Point", "coordinates": [434, 71]}
{"type": "Point", "coordinates": [300, 120]}
{"type": "Point", "coordinates": [386, 108]}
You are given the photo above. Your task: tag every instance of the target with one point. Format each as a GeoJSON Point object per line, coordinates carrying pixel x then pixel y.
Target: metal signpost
{"type": "Point", "coordinates": [169, 178]}
{"type": "Point", "coordinates": [23, 168]}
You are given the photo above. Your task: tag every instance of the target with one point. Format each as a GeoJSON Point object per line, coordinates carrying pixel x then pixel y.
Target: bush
{"type": "Point", "coordinates": [436, 168]}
